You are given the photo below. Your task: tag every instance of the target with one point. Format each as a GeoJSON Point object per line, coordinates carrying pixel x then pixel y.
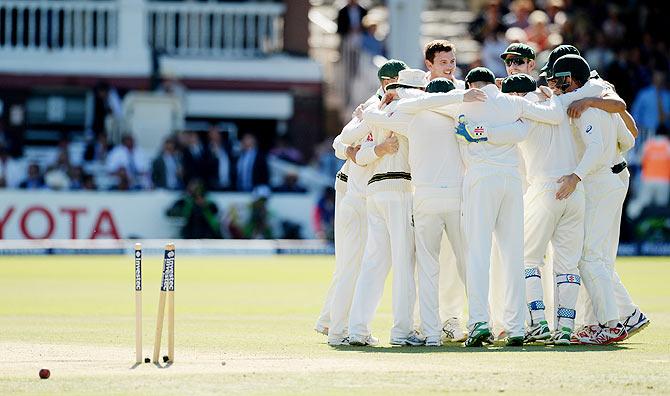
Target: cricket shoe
{"type": "Point", "coordinates": [452, 332]}
{"type": "Point", "coordinates": [338, 341]}
{"type": "Point", "coordinates": [537, 332]}
{"type": "Point", "coordinates": [321, 329]}
{"type": "Point", "coordinates": [561, 336]}
{"type": "Point", "coordinates": [586, 331]}
{"type": "Point", "coordinates": [635, 323]}
{"type": "Point", "coordinates": [606, 336]}
{"type": "Point", "coordinates": [414, 339]}
{"type": "Point", "coordinates": [433, 342]}
{"type": "Point", "coordinates": [479, 334]}
{"type": "Point", "coordinates": [357, 340]}
{"type": "Point", "coordinates": [515, 341]}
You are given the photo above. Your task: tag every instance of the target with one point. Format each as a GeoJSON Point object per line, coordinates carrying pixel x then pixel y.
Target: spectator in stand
{"type": "Point", "coordinates": [166, 169]}
{"type": "Point", "coordinates": [195, 159]}
{"type": "Point", "coordinates": [518, 15]}
{"type": "Point", "coordinates": [554, 10]}
{"type": "Point", "coordinates": [35, 180]}
{"type": "Point", "coordinates": [11, 170]}
{"type": "Point", "coordinates": [369, 42]}
{"type": "Point", "coordinates": [77, 176]}
{"type": "Point", "coordinates": [655, 188]}
{"type": "Point", "coordinates": [200, 215]}
{"type": "Point", "coordinates": [123, 182]}
{"type": "Point", "coordinates": [290, 184]}
{"type": "Point", "coordinates": [89, 183]}
{"type": "Point", "coordinates": [538, 30]}
{"type": "Point", "coordinates": [350, 19]}
{"type": "Point", "coordinates": [600, 55]}
{"type": "Point", "coordinates": [259, 225]}
{"type": "Point", "coordinates": [613, 29]}
{"type": "Point", "coordinates": [488, 21]}
{"type": "Point", "coordinates": [326, 161]}
{"type": "Point", "coordinates": [324, 215]}
{"type": "Point", "coordinates": [107, 102]}
{"type": "Point", "coordinates": [133, 161]}
{"type": "Point", "coordinates": [252, 165]}
{"type": "Point", "coordinates": [494, 44]}
{"type": "Point", "coordinates": [283, 150]}
{"type": "Point", "coordinates": [221, 172]}
{"type": "Point", "coordinates": [651, 107]}
{"type": "Point", "coordinates": [97, 150]}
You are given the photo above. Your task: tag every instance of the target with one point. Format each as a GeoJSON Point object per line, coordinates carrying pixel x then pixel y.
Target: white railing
{"type": "Point", "coordinates": [242, 29]}
{"type": "Point", "coordinates": [58, 25]}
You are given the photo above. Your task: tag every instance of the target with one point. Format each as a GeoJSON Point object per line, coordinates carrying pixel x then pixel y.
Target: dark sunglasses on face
{"type": "Point", "coordinates": [515, 61]}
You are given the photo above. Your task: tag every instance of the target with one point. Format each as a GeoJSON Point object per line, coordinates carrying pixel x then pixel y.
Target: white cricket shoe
{"type": "Point", "coordinates": [635, 323]}
{"type": "Point", "coordinates": [338, 341]}
{"type": "Point", "coordinates": [357, 340]}
{"type": "Point", "coordinates": [452, 331]}
{"type": "Point", "coordinates": [606, 336]}
{"type": "Point", "coordinates": [414, 339]}
{"type": "Point", "coordinates": [433, 342]}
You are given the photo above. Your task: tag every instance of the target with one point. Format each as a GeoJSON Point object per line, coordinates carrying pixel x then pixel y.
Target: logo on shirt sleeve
{"type": "Point", "coordinates": [369, 138]}
{"type": "Point", "coordinates": [588, 129]}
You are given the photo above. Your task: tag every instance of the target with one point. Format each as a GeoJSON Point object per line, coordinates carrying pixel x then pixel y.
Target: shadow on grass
{"type": "Point", "coordinates": [455, 347]}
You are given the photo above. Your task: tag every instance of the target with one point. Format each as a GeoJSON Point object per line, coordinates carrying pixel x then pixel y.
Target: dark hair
{"type": "Point", "coordinates": [436, 46]}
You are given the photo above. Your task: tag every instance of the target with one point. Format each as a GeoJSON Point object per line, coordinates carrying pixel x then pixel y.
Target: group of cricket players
{"type": "Point", "coordinates": [506, 193]}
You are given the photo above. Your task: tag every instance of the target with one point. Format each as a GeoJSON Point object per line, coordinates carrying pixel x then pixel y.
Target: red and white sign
{"type": "Point", "coordinates": [114, 215]}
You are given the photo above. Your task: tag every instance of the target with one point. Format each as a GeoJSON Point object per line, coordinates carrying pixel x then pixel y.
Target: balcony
{"type": "Point", "coordinates": [115, 38]}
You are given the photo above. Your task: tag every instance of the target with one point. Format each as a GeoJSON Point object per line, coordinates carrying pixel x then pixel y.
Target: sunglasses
{"type": "Point", "coordinates": [515, 61]}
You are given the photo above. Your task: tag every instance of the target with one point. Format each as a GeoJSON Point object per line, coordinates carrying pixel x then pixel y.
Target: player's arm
{"type": "Point", "coordinates": [629, 121]}
{"type": "Point", "coordinates": [624, 137]}
{"type": "Point", "coordinates": [549, 112]}
{"type": "Point", "coordinates": [395, 121]}
{"type": "Point", "coordinates": [509, 133]}
{"type": "Point", "coordinates": [441, 102]}
{"type": "Point", "coordinates": [354, 131]}
{"type": "Point", "coordinates": [340, 148]}
{"type": "Point", "coordinates": [594, 88]}
{"type": "Point", "coordinates": [370, 151]}
{"type": "Point", "coordinates": [608, 101]}
{"type": "Point", "coordinates": [593, 141]}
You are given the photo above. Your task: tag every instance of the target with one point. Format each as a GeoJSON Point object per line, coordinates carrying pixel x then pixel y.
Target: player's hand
{"type": "Point", "coordinates": [499, 82]}
{"type": "Point", "coordinates": [474, 95]}
{"type": "Point", "coordinates": [578, 107]}
{"type": "Point", "coordinates": [546, 91]}
{"type": "Point", "coordinates": [352, 151]}
{"type": "Point", "coordinates": [388, 146]}
{"type": "Point", "coordinates": [568, 185]}
{"type": "Point", "coordinates": [388, 97]}
{"type": "Point", "coordinates": [358, 112]}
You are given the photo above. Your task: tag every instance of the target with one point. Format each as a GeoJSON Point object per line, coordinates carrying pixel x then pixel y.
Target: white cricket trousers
{"type": "Point", "coordinates": [605, 193]}
{"type": "Point", "coordinates": [390, 243]}
{"type": "Point", "coordinates": [324, 317]}
{"type": "Point", "coordinates": [452, 279]}
{"type": "Point", "coordinates": [435, 210]}
{"type": "Point", "coordinates": [623, 299]}
{"type": "Point", "coordinates": [493, 205]}
{"type": "Point", "coordinates": [353, 236]}
{"type": "Point", "coordinates": [561, 223]}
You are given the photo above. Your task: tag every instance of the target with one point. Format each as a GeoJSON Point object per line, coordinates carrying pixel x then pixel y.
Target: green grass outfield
{"type": "Point", "coordinates": [244, 325]}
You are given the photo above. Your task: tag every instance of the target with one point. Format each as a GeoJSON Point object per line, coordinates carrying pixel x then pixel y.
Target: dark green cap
{"type": "Point", "coordinates": [440, 85]}
{"type": "Point", "coordinates": [518, 83]}
{"type": "Point", "coordinates": [390, 69]}
{"type": "Point", "coordinates": [519, 49]}
{"type": "Point", "coordinates": [555, 54]}
{"type": "Point", "coordinates": [572, 66]}
{"type": "Point", "coordinates": [480, 74]}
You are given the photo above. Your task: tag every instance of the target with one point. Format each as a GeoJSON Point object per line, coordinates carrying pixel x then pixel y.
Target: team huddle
{"type": "Point", "coordinates": [507, 191]}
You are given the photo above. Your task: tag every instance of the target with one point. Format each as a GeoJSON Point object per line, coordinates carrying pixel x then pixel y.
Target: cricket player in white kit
{"type": "Point", "coordinates": [493, 204]}
{"type": "Point", "coordinates": [390, 241]}
{"type": "Point", "coordinates": [437, 176]}
{"type": "Point", "coordinates": [605, 192]}
{"type": "Point", "coordinates": [350, 218]}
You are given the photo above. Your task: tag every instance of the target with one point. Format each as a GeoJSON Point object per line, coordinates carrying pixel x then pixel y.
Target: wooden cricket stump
{"type": "Point", "coordinates": [138, 303]}
{"type": "Point", "coordinates": [167, 290]}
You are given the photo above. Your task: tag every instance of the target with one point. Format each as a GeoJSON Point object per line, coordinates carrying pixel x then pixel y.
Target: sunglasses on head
{"type": "Point", "coordinates": [515, 61]}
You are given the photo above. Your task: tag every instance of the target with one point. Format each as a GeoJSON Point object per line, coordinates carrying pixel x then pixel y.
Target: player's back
{"type": "Point", "coordinates": [607, 124]}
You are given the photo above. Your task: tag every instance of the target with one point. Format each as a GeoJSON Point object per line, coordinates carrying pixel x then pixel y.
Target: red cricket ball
{"type": "Point", "coordinates": [45, 373]}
